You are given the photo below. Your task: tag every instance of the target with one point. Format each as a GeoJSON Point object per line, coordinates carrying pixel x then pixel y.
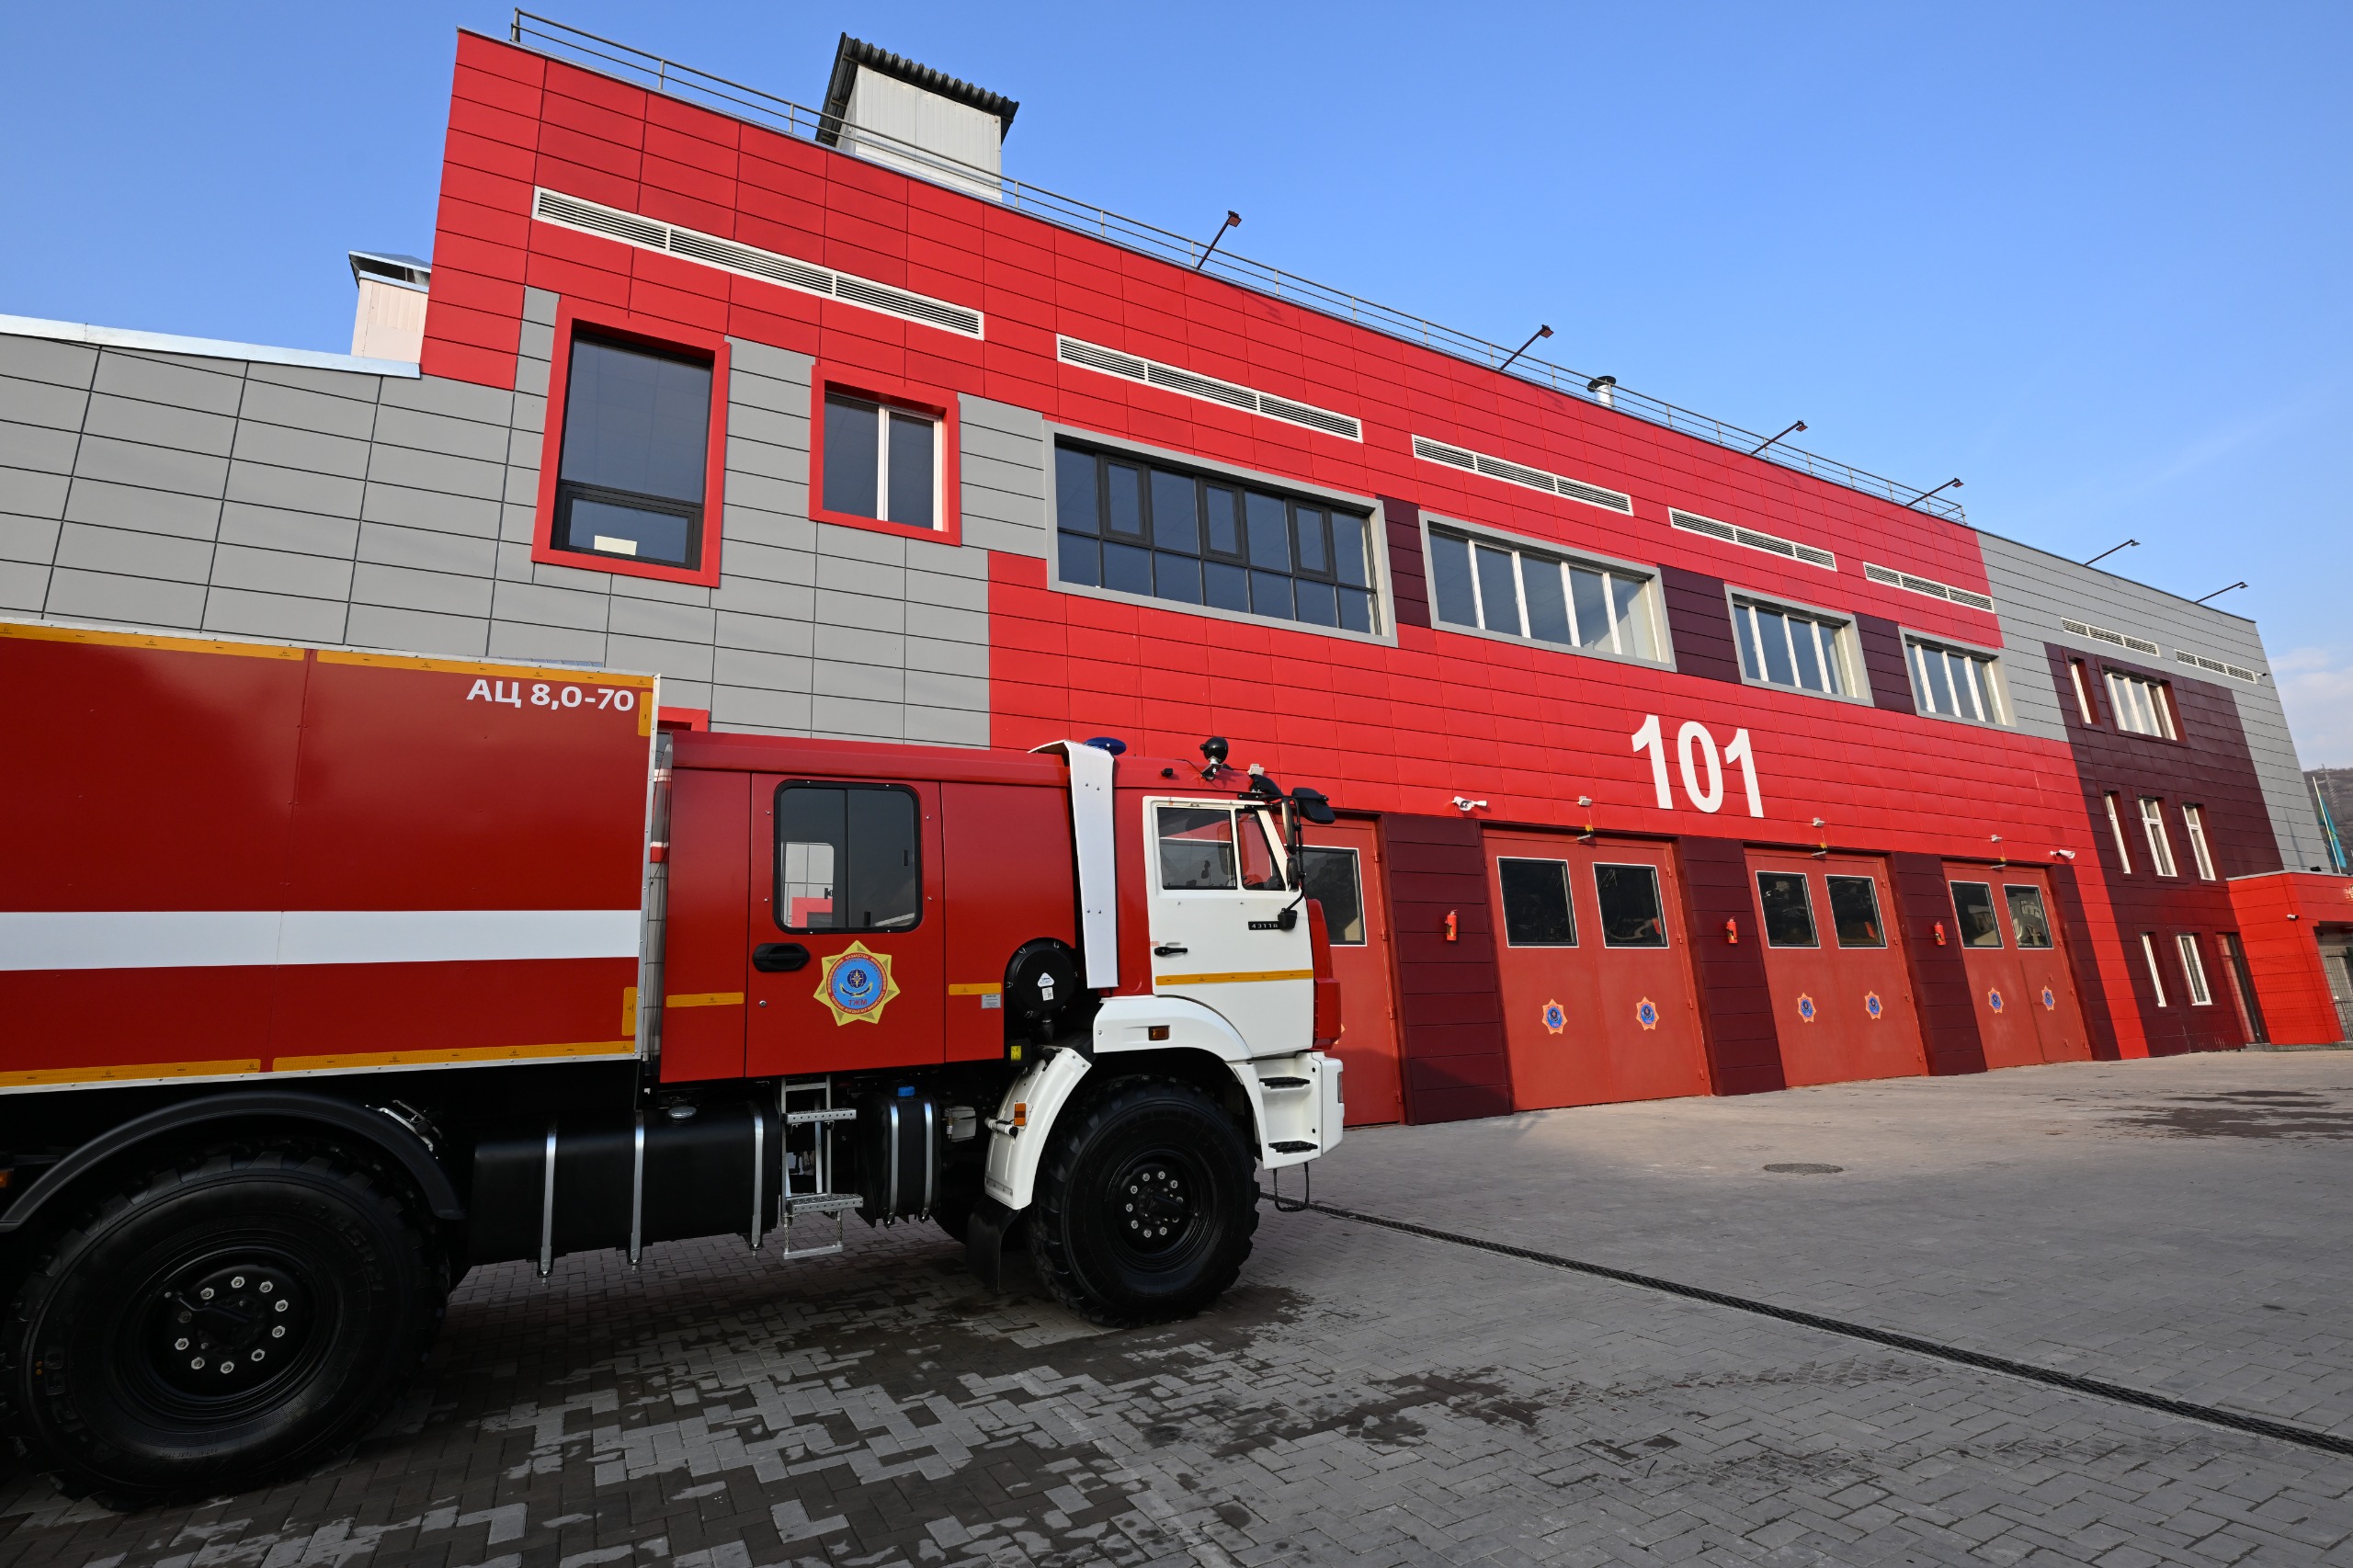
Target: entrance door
{"type": "Point", "coordinates": [1842, 997]}
{"type": "Point", "coordinates": [846, 961]}
{"type": "Point", "coordinates": [1597, 982]}
{"type": "Point", "coordinates": [2045, 978]}
{"type": "Point", "coordinates": [1344, 874]}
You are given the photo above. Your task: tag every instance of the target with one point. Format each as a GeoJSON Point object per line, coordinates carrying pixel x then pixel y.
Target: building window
{"type": "Point", "coordinates": [1973, 906]}
{"type": "Point", "coordinates": [636, 454]}
{"type": "Point", "coordinates": [2116, 827]}
{"type": "Point", "coordinates": [1197, 538]}
{"type": "Point", "coordinates": [2193, 965]}
{"type": "Point", "coordinates": [2153, 824]}
{"type": "Point", "coordinates": [2142, 707]}
{"type": "Point", "coordinates": [1632, 915]}
{"type": "Point", "coordinates": [2194, 819]}
{"type": "Point", "coordinates": [1492, 586]}
{"type": "Point", "coordinates": [1854, 912]}
{"type": "Point", "coordinates": [1785, 647]}
{"type": "Point", "coordinates": [1332, 878]}
{"type": "Point", "coordinates": [846, 858]}
{"type": "Point", "coordinates": [2156, 975]}
{"type": "Point", "coordinates": [1536, 904]}
{"type": "Point", "coordinates": [2083, 691]}
{"type": "Point", "coordinates": [2029, 921]}
{"type": "Point", "coordinates": [881, 461]}
{"type": "Point", "coordinates": [1957, 683]}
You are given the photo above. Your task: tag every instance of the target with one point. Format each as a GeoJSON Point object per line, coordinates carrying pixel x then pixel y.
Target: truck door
{"type": "Point", "coordinates": [846, 953]}
{"type": "Point", "coordinates": [1217, 896]}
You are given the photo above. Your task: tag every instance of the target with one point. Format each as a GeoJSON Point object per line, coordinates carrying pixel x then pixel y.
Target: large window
{"type": "Point", "coordinates": [2143, 707]}
{"type": "Point", "coordinates": [846, 858]}
{"type": "Point", "coordinates": [2193, 968]}
{"type": "Point", "coordinates": [636, 454]}
{"type": "Point", "coordinates": [881, 461]}
{"type": "Point", "coordinates": [1146, 529]}
{"type": "Point", "coordinates": [1491, 586]}
{"type": "Point", "coordinates": [1785, 647]}
{"type": "Point", "coordinates": [1957, 683]}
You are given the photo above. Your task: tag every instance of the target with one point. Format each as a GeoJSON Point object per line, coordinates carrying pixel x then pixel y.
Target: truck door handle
{"type": "Point", "coordinates": [1170, 950]}
{"type": "Point", "coordinates": [780, 958]}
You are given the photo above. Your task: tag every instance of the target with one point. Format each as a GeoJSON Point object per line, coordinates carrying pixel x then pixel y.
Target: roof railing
{"type": "Point", "coordinates": [574, 45]}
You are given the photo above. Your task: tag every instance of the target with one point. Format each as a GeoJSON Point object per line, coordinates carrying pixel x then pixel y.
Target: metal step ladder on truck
{"type": "Point", "coordinates": [329, 974]}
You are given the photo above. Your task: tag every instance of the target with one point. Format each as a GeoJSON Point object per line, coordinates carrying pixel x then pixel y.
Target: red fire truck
{"type": "Point", "coordinates": [328, 974]}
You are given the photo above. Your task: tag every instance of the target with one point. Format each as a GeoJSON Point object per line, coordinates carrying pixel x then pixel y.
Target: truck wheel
{"type": "Point", "coordinates": [1145, 1207]}
{"type": "Point", "coordinates": [220, 1322]}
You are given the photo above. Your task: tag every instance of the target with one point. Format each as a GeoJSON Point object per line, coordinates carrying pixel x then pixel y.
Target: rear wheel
{"type": "Point", "coordinates": [220, 1323]}
{"type": "Point", "coordinates": [1145, 1207]}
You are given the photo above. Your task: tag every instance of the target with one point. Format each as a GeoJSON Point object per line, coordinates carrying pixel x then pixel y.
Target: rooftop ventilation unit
{"type": "Point", "coordinates": [591, 217]}
{"type": "Point", "coordinates": [1152, 372]}
{"type": "Point", "coordinates": [1521, 474]}
{"type": "Point", "coordinates": [388, 322]}
{"type": "Point", "coordinates": [2102, 634]}
{"type": "Point", "coordinates": [1928, 585]}
{"type": "Point", "coordinates": [887, 109]}
{"type": "Point", "coordinates": [1731, 533]}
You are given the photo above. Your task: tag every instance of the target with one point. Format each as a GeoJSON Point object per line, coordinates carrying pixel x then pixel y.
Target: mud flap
{"type": "Point", "coordinates": [985, 1241]}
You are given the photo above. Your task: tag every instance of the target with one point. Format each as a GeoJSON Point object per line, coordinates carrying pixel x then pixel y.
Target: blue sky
{"type": "Point", "coordinates": [2094, 259]}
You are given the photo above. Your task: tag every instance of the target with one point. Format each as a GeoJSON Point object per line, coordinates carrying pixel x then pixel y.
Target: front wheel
{"type": "Point", "coordinates": [1145, 1207]}
{"type": "Point", "coordinates": [220, 1322]}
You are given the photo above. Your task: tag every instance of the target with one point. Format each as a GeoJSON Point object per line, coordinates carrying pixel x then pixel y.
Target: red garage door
{"type": "Point", "coordinates": [2024, 995]}
{"type": "Point", "coordinates": [1842, 999]}
{"type": "Point", "coordinates": [1344, 874]}
{"type": "Point", "coordinates": [1597, 981]}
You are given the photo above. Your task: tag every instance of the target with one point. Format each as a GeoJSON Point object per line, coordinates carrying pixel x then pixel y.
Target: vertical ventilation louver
{"type": "Point", "coordinates": [1521, 474]}
{"type": "Point", "coordinates": [1928, 585]}
{"type": "Point", "coordinates": [2236, 672]}
{"type": "Point", "coordinates": [1691, 522]}
{"type": "Point", "coordinates": [1209, 388]}
{"type": "Point", "coordinates": [709, 250]}
{"type": "Point", "coordinates": [2102, 634]}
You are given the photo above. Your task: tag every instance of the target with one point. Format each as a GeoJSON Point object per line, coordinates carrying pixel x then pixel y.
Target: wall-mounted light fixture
{"type": "Point", "coordinates": [1947, 484]}
{"type": "Point", "coordinates": [1797, 427]}
{"type": "Point", "coordinates": [1233, 221]}
{"type": "Point", "coordinates": [1540, 332]}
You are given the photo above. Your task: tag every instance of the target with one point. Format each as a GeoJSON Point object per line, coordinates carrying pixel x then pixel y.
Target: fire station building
{"type": "Point", "coordinates": [1667, 766]}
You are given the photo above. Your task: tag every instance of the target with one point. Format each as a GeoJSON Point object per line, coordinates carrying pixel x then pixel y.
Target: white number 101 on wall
{"type": "Point", "coordinates": [1695, 752]}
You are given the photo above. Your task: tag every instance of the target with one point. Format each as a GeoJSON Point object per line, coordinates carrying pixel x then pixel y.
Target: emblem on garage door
{"type": "Point", "coordinates": [1556, 1017]}
{"type": "Point", "coordinates": [856, 984]}
{"type": "Point", "coordinates": [1872, 1004]}
{"type": "Point", "coordinates": [1994, 1000]}
{"type": "Point", "coordinates": [1646, 1013]}
{"type": "Point", "coordinates": [2050, 999]}
{"type": "Point", "coordinates": [1805, 1006]}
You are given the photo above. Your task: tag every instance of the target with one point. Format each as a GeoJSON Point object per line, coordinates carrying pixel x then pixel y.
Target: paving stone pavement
{"type": "Point", "coordinates": [1365, 1396]}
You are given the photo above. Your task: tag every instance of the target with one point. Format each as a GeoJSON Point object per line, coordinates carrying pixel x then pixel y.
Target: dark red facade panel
{"type": "Point", "coordinates": [1883, 662]}
{"type": "Point", "coordinates": [1735, 1001]}
{"type": "Point", "coordinates": [1946, 1000]}
{"type": "Point", "coordinates": [1451, 1024]}
{"type": "Point", "coordinates": [1699, 620]}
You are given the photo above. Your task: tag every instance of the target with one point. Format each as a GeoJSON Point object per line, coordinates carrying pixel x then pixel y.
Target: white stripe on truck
{"type": "Point", "coordinates": [216, 939]}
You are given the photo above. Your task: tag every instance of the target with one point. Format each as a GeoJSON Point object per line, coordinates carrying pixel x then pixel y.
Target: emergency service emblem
{"type": "Point", "coordinates": [2049, 1000]}
{"type": "Point", "coordinates": [1556, 1017]}
{"type": "Point", "coordinates": [857, 984]}
{"type": "Point", "coordinates": [1646, 1013]}
{"type": "Point", "coordinates": [1994, 1000]}
{"type": "Point", "coordinates": [1805, 1006]}
{"type": "Point", "coordinates": [1872, 1004]}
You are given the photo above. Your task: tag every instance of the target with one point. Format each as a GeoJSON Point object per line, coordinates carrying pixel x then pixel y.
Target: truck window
{"type": "Point", "coordinates": [846, 858]}
{"type": "Point", "coordinates": [1196, 848]}
{"type": "Point", "coordinates": [1331, 878]}
{"type": "Point", "coordinates": [1260, 869]}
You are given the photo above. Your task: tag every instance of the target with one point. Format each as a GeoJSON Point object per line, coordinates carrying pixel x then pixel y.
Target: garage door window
{"type": "Point", "coordinates": [1789, 910]}
{"type": "Point", "coordinates": [1631, 915]}
{"type": "Point", "coordinates": [1973, 906]}
{"type": "Point", "coordinates": [1536, 904]}
{"type": "Point", "coordinates": [1854, 909]}
{"type": "Point", "coordinates": [2029, 921]}
{"type": "Point", "coordinates": [1332, 881]}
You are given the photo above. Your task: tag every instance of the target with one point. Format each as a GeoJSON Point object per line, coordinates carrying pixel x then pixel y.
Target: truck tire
{"type": "Point", "coordinates": [1144, 1208]}
{"type": "Point", "coordinates": [218, 1322]}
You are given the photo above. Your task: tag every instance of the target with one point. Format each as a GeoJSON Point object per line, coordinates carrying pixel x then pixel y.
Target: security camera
{"type": "Point", "coordinates": [1463, 803]}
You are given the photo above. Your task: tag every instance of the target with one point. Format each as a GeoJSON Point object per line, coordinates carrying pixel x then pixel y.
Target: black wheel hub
{"type": "Point", "coordinates": [1152, 1205]}
{"type": "Point", "coordinates": [218, 1328]}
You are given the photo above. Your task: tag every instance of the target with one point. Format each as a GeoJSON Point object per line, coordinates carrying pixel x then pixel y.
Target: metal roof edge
{"type": "Point", "coordinates": [200, 347]}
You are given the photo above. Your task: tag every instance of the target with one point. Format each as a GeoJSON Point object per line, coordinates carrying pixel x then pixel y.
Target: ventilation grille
{"type": "Point", "coordinates": [2236, 672]}
{"type": "Point", "coordinates": [1928, 585]}
{"type": "Point", "coordinates": [1209, 388]}
{"type": "Point", "coordinates": [2102, 634]}
{"type": "Point", "coordinates": [1519, 473]}
{"type": "Point", "coordinates": [1691, 522]}
{"type": "Point", "coordinates": [588, 217]}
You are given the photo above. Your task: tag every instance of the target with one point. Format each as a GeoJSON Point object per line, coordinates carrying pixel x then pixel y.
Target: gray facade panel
{"type": "Point", "coordinates": [417, 632]}
{"type": "Point", "coordinates": [663, 591]}
{"type": "Point", "coordinates": [308, 408]}
{"type": "Point", "coordinates": [270, 528]}
{"type": "Point", "coordinates": [867, 682]}
{"type": "Point", "coordinates": [648, 655]}
{"type": "Point", "coordinates": [945, 658]}
{"type": "Point", "coordinates": [142, 511]}
{"type": "Point", "coordinates": [744, 566]}
{"type": "Point", "coordinates": [632, 617]}
{"type": "Point", "coordinates": [444, 433]}
{"type": "Point", "coordinates": [294, 490]}
{"type": "Point", "coordinates": [856, 719]}
{"type": "Point", "coordinates": [459, 399]}
{"type": "Point", "coordinates": [760, 709]}
{"type": "Point", "coordinates": [858, 646]}
{"type": "Point", "coordinates": [539, 605]}
{"type": "Point", "coordinates": [531, 377]}
{"type": "Point", "coordinates": [427, 549]}
{"type": "Point", "coordinates": [758, 457]}
{"type": "Point", "coordinates": [947, 726]}
{"type": "Point", "coordinates": [142, 601]}
{"type": "Point", "coordinates": [32, 494]}
{"type": "Point", "coordinates": [279, 571]}
{"type": "Point", "coordinates": [749, 359]}
{"type": "Point", "coordinates": [406, 508]}
{"type": "Point", "coordinates": [743, 524]}
{"type": "Point", "coordinates": [538, 340]}
{"type": "Point", "coordinates": [357, 386]}
{"type": "Point", "coordinates": [46, 360]}
{"type": "Point", "coordinates": [242, 614]}
{"type": "Point", "coordinates": [437, 471]}
{"type": "Point", "coordinates": [761, 596]}
{"type": "Point", "coordinates": [216, 389]}
{"type": "Point", "coordinates": [152, 467]}
{"type": "Point", "coordinates": [565, 644]}
{"type": "Point", "coordinates": [23, 586]}
{"type": "Point", "coordinates": [282, 446]}
{"type": "Point", "coordinates": [928, 688]}
{"type": "Point", "coordinates": [749, 421]}
{"type": "Point", "coordinates": [871, 611]}
{"type": "Point", "coordinates": [541, 305]}
{"type": "Point", "coordinates": [760, 634]}
{"type": "Point", "coordinates": [42, 448]}
{"type": "Point", "coordinates": [160, 425]}
{"type": "Point", "coordinates": [1011, 539]}
{"type": "Point", "coordinates": [42, 403]}
{"type": "Point", "coordinates": [29, 539]}
{"type": "Point", "coordinates": [932, 590]}
{"type": "Point", "coordinates": [441, 593]}
{"type": "Point", "coordinates": [786, 497]}
{"type": "Point", "coordinates": [842, 573]}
